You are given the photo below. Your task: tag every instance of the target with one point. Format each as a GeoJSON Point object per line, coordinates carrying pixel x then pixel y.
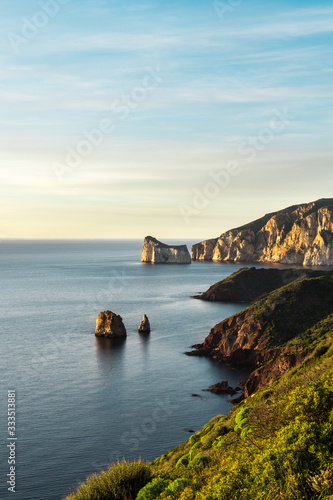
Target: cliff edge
{"type": "Point", "coordinates": [156, 252]}
{"type": "Point", "coordinates": [300, 234]}
{"type": "Point", "coordinates": [277, 332]}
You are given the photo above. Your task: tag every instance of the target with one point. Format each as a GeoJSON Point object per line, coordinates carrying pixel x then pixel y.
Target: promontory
{"type": "Point", "coordinates": [300, 234]}
{"type": "Point", "coordinates": [155, 252]}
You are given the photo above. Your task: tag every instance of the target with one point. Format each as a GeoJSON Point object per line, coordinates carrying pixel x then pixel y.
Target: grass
{"type": "Point", "coordinates": [122, 481]}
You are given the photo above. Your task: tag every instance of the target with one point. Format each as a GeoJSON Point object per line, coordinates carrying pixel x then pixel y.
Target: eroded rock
{"type": "Point", "coordinates": [144, 325]}
{"type": "Point", "coordinates": [222, 388]}
{"type": "Point", "coordinates": [110, 325]}
{"type": "Point", "coordinates": [156, 252]}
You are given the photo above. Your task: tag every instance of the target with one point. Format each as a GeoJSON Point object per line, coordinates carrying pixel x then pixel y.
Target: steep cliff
{"type": "Point", "coordinates": [155, 252]}
{"type": "Point", "coordinates": [277, 332]}
{"type": "Point", "coordinates": [300, 234]}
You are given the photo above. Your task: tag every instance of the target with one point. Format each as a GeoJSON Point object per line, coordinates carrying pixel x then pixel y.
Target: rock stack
{"type": "Point", "coordinates": [110, 325]}
{"type": "Point", "coordinates": [156, 252]}
{"type": "Point", "coordinates": [144, 325]}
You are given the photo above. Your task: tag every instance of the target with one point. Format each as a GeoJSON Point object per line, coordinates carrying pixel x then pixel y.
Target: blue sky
{"type": "Point", "coordinates": [187, 89]}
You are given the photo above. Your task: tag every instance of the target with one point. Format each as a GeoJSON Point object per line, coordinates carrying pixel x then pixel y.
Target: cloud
{"type": "Point", "coordinates": [221, 81]}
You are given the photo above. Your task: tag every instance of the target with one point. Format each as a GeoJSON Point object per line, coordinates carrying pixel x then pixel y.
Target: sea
{"type": "Point", "coordinates": [81, 402]}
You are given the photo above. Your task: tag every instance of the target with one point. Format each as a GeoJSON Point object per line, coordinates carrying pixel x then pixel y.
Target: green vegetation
{"type": "Point", "coordinates": [290, 315]}
{"type": "Point", "coordinates": [119, 482]}
{"type": "Point", "coordinates": [249, 284]}
{"type": "Point", "coordinates": [275, 445]}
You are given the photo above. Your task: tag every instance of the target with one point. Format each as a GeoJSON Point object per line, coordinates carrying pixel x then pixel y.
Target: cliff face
{"type": "Point", "coordinates": [155, 252]}
{"type": "Point", "coordinates": [276, 333]}
{"type": "Point", "coordinates": [301, 234]}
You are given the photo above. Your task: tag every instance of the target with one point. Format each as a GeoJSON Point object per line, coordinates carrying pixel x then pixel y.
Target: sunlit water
{"type": "Point", "coordinates": [82, 401]}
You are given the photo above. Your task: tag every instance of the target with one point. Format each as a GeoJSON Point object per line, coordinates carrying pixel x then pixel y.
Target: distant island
{"type": "Point", "coordinates": [300, 234]}
{"type": "Point", "coordinates": [156, 252]}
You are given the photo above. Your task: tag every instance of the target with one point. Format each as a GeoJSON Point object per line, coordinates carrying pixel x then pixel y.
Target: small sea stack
{"type": "Point", "coordinates": [144, 325]}
{"type": "Point", "coordinates": [110, 325]}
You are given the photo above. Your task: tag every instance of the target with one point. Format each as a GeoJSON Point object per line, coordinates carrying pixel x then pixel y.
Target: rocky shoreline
{"type": "Point", "coordinates": [273, 335]}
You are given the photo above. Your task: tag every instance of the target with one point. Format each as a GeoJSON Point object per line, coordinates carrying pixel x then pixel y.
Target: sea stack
{"type": "Point", "coordinates": [155, 252]}
{"type": "Point", "coordinates": [144, 325]}
{"type": "Point", "coordinates": [110, 325]}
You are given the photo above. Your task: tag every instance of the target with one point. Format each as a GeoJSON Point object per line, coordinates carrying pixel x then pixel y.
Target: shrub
{"type": "Point", "coordinates": [199, 461]}
{"type": "Point", "coordinates": [119, 482]}
{"type": "Point", "coordinates": [153, 489]}
{"type": "Point", "coordinates": [177, 485]}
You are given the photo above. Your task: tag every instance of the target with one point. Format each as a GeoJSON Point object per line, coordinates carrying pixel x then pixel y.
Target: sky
{"type": "Point", "coordinates": [180, 120]}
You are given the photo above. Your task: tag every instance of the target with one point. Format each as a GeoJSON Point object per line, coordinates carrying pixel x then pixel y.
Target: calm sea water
{"type": "Point", "coordinates": [83, 402]}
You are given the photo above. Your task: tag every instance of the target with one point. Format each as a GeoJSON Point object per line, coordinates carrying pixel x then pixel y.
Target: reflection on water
{"type": "Point", "coordinates": [109, 352]}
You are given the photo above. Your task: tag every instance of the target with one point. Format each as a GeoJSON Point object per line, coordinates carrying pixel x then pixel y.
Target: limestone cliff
{"type": "Point", "coordinates": [155, 252]}
{"type": "Point", "coordinates": [301, 234]}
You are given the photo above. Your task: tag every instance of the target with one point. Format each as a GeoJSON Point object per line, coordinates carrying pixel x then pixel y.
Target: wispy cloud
{"type": "Point", "coordinates": [221, 81]}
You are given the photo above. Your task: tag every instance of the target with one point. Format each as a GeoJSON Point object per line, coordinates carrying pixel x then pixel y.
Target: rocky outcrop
{"type": "Point", "coordinates": [144, 325]}
{"type": "Point", "coordinates": [276, 333]}
{"type": "Point", "coordinates": [249, 283]}
{"type": "Point", "coordinates": [300, 234]}
{"type": "Point", "coordinates": [222, 388]}
{"type": "Point", "coordinates": [155, 252]}
{"type": "Point", "coordinates": [110, 325]}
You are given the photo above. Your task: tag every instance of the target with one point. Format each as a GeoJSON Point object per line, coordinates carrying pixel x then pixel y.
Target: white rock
{"type": "Point", "coordinates": [155, 252]}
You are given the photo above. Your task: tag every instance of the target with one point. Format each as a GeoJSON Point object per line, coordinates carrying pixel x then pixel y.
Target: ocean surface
{"type": "Point", "coordinates": [83, 402]}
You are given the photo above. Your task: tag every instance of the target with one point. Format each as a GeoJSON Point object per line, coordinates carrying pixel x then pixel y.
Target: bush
{"type": "Point", "coordinates": [119, 482]}
{"type": "Point", "coordinates": [199, 461]}
{"type": "Point", "coordinates": [153, 489]}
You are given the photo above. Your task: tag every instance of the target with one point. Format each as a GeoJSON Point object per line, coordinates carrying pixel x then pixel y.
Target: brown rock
{"type": "Point", "coordinates": [222, 388]}
{"type": "Point", "coordinates": [110, 325]}
{"type": "Point", "coordinates": [144, 325]}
